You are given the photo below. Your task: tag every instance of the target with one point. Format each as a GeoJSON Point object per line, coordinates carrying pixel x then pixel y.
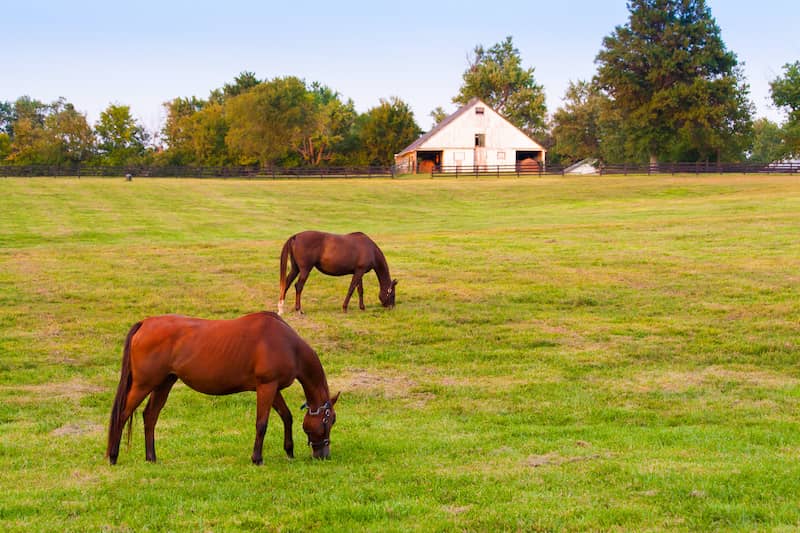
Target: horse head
{"type": "Point", "coordinates": [387, 296]}
{"type": "Point", "coordinates": [317, 425]}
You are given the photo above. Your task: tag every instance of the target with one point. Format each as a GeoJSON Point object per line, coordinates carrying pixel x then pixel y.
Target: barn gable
{"type": "Point", "coordinates": [474, 136]}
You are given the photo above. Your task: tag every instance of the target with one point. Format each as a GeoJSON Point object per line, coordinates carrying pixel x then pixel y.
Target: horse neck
{"type": "Point", "coordinates": [382, 270]}
{"type": "Point", "coordinates": [312, 379]}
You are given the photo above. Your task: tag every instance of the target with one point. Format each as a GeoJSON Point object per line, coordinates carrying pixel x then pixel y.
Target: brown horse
{"type": "Point", "coordinates": [257, 352]}
{"type": "Point", "coordinates": [335, 255]}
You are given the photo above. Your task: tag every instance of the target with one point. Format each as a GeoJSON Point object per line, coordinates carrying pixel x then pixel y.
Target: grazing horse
{"type": "Point", "coordinates": [335, 255]}
{"type": "Point", "coordinates": [258, 352]}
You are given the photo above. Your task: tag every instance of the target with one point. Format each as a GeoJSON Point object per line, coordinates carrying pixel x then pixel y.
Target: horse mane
{"type": "Point", "coordinates": [382, 268]}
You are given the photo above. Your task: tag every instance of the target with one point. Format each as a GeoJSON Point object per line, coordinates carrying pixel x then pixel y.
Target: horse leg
{"type": "Point", "coordinates": [151, 411]}
{"type": "Point", "coordinates": [136, 394]}
{"type": "Point", "coordinates": [289, 279]}
{"type": "Point", "coordinates": [298, 287]}
{"type": "Point", "coordinates": [356, 281]}
{"type": "Point", "coordinates": [265, 396]}
{"type": "Point", "coordinates": [361, 294]}
{"type": "Point", "coordinates": [279, 404]}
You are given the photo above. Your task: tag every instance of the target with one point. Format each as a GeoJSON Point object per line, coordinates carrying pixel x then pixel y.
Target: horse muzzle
{"type": "Point", "coordinates": [323, 452]}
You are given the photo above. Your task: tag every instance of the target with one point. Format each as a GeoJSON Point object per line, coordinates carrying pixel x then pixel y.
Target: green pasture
{"type": "Point", "coordinates": [566, 354]}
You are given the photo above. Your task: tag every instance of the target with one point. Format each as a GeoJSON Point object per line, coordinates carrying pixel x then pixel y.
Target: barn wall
{"type": "Point", "coordinates": [500, 134]}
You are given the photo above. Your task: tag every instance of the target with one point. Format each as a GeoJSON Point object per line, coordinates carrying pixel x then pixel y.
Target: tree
{"type": "Point", "coordinates": [48, 134]}
{"type": "Point", "coordinates": [438, 115]}
{"type": "Point", "coordinates": [768, 142]}
{"type": "Point", "coordinates": [269, 121]}
{"type": "Point", "coordinates": [72, 137]}
{"type": "Point", "coordinates": [785, 92]}
{"type": "Point", "coordinates": [7, 118]}
{"type": "Point", "coordinates": [332, 122]}
{"type": "Point", "coordinates": [385, 130]}
{"type": "Point", "coordinates": [679, 91]}
{"type": "Point", "coordinates": [241, 83]}
{"type": "Point", "coordinates": [576, 126]}
{"type": "Point", "coordinates": [496, 76]}
{"type": "Point", "coordinates": [122, 140]}
{"type": "Point", "coordinates": [5, 146]}
{"type": "Point", "coordinates": [179, 128]}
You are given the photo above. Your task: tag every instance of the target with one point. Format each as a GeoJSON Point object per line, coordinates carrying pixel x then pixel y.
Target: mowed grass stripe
{"type": "Point", "coordinates": [566, 354]}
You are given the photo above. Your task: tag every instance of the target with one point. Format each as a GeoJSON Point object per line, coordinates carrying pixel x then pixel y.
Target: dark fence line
{"type": "Point", "coordinates": [523, 169]}
{"type": "Point", "coordinates": [618, 169]}
{"type": "Point", "coordinates": [197, 172]}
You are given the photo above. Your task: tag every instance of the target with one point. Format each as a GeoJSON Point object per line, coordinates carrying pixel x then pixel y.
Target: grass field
{"type": "Point", "coordinates": [566, 354]}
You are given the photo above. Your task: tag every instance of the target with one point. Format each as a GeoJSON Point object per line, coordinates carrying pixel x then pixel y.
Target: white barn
{"type": "Point", "coordinates": [475, 136]}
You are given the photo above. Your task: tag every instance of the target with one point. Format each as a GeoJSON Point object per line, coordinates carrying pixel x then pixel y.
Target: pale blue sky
{"type": "Point", "coordinates": [144, 53]}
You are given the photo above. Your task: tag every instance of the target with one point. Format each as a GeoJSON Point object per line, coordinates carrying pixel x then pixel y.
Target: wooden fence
{"type": "Point", "coordinates": [197, 172]}
{"type": "Point", "coordinates": [388, 171]}
{"type": "Point", "coordinates": [619, 169]}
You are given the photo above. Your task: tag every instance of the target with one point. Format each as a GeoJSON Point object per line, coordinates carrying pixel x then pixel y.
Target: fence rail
{"type": "Point", "coordinates": [619, 169]}
{"type": "Point", "coordinates": [388, 171]}
{"type": "Point", "coordinates": [197, 172]}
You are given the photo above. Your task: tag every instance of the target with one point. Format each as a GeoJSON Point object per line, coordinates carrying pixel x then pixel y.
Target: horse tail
{"type": "Point", "coordinates": [116, 425]}
{"type": "Point", "coordinates": [285, 253]}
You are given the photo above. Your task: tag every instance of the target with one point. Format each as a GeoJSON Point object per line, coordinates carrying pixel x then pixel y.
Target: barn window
{"type": "Point", "coordinates": [480, 139]}
{"type": "Point", "coordinates": [479, 111]}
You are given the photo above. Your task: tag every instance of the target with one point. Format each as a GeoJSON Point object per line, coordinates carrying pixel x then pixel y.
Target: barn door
{"type": "Point", "coordinates": [480, 151]}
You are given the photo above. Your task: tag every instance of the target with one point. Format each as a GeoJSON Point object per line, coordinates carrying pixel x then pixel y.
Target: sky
{"type": "Point", "coordinates": [145, 53]}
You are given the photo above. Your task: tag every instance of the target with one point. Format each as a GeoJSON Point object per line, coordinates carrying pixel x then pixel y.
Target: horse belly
{"type": "Point", "coordinates": [216, 374]}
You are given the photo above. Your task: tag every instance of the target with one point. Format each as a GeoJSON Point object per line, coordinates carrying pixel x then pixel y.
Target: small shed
{"type": "Point", "coordinates": [474, 137]}
{"type": "Point", "coordinates": [583, 167]}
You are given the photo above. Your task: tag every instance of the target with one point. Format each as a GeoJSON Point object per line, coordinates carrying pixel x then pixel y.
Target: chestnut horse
{"type": "Point", "coordinates": [335, 255]}
{"type": "Point", "coordinates": [258, 352]}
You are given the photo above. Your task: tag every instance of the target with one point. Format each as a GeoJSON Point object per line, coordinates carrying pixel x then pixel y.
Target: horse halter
{"type": "Point", "coordinates": [325, 411]}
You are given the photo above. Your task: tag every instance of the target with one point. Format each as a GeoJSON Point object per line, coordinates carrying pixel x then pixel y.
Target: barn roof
{"type": "Point", "coordinates": [440, 126]}
{"type": "Point", "coordinates": [416, 145]}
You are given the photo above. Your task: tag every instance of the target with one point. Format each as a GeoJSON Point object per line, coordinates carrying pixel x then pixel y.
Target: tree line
{"type": "Point", "coordinates": [666, 89]}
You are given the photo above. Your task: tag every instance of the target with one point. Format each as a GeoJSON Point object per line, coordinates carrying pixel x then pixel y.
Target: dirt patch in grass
{"type": "Point", "coordinates": [355, 379]}
{"type": "Point", "coordinates": [83, 427]}
{"type": "Point", "coordinates": [68, 390]}
{"type": "Point", "coordinates": [556, 459]}
{"type": "Point", "coordinates": [391, 386]}
{"type": "Point", "coordinates": [681, 381]}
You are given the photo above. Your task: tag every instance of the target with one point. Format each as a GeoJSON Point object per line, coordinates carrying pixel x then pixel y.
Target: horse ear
{"type": "Point", "coordinates": [304, 406]}
{"type": "Point", "coordinates": [333, 400]}
{"type": "Point", "coordinates": [394, 282]}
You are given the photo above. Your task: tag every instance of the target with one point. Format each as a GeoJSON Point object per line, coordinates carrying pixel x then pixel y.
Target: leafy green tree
{"type": "Point", "coordinates": [679, 91]}
{"type": "Point", "coordinates": [7, 118]}
{"type": "Point", "coordinates": [5, 147]}
{"type": "Point", "coordinates": [496, 76]}
{"type": "Point", "coordinates": [121, 139]}
{"type": "Point", "coordinates": [72, 137]}
{"type": "Point", "coordinates": [48, 134]}
{"type": "Point", "coordinates": [385, 130]}
{"type": "Point", "coordinates": [331, 123]}
{"type": "Point", "coordinates": [786, 95]}
{"type": "Point", "coordinates": [269, 122]}
{"type": "Point", "coordinates": [208, 129]}
{"type": "Point", "coordinates": [178, 130]}
{"type": "Point", "coordinates": [576, 125]}
{"type": "Point", "coordinates": [241, 83]}
{"type": "Point", "coordinates": [27, 108]}
{"type": "Point", "coordinates": [768, 142]}
{"type": "Point", "coordinates": [438, 115]}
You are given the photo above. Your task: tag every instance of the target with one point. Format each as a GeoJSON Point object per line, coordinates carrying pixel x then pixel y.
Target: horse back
{"type": "Point", "coordinates": [216, 356]}
{"type": "Point", "coordinates": [335, 254]}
